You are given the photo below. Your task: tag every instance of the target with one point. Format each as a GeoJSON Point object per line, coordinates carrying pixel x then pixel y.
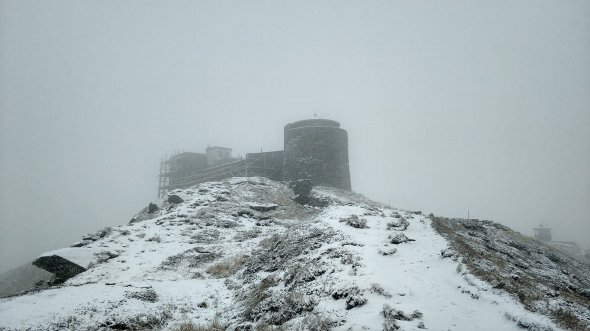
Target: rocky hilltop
{"type": "Point", "coordinates": [253, 254]}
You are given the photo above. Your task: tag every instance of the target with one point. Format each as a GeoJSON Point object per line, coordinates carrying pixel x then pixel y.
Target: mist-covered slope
{"type": "Point", "coordinates": [21, 278]}
{"type": "Point", "coordinates": [241, 254]}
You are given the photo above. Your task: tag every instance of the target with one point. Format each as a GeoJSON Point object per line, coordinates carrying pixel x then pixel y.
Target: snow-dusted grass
{"type": "Point", "coordinates": [218, 263]}
{"type": "Point", "coordinates": [226, 267]}
{"type": "Point", "coordinates": [214, 325]}
{"type": "Point", "coordinates": [539, 277]}
{"type": "Point", "coordinates": [416, 276]}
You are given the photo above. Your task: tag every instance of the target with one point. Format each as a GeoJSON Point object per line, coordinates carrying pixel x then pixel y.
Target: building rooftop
{"type": "Point", "coordinates": [218, 147]}
{"type": "Point", "coordinates": [314, 122]}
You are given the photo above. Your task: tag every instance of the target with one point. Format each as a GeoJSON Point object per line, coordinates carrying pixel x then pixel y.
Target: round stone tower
{"type": "Point", "coordinates": [317, 149]}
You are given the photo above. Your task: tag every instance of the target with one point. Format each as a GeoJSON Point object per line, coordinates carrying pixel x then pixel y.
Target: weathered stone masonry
{"type": "Point", "coordinates": [314, 149]}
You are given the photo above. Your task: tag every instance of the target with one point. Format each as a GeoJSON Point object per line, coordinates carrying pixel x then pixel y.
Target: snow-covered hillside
{"type": "Point", "coordinates": [244, 255]}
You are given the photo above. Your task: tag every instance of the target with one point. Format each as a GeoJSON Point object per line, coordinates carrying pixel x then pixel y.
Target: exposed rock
{"type": "Point", "coordinates": [355, 222]}
{"type": "Point", "coordinates": [355, 301]}
{"type": "Point", "coordinates": [263, 207]}
{"type": "Point", "coordinates": [152, 208]}
{"type": "Point", "coordinates": [302, 190]}
{"type": "Point", "coordinates": [346, 292]}
{"type": "Point", "coordinates": [175, 199]}
{"type": "Point", "coordinates": [81, 243]}
{"type": "Point", "coordinates": [303, 195]}
{"type": "Point", "coordinates": [387, 251]}
{"type": "Point", "coordinates": [104, 256]}
{"type": "Point", "coordinates": [63, 269]}
{"type": "Point", "coordinates": [245, 212]}
{"type": "Point", "coordinates": [97, 235]}
{"type": "Point", "coordinates": [146, 213]}
{"type": "Point", "coordinates": [399, 238]}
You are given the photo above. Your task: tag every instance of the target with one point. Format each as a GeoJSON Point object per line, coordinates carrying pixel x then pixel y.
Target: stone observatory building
{"type": "Point", "coordinates": [315, 149]}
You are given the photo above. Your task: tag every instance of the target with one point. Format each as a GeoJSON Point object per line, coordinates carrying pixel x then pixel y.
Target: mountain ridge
{"type": "Point", "coordinates": [242, 254]}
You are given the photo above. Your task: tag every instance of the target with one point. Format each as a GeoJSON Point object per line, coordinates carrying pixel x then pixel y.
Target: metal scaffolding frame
{"type": "Point", "coordinates": [240, 168]}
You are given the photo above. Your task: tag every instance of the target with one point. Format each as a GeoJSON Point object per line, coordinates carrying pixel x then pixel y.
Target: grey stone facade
{"type": "Point", "coordinates": [315, 149]}
{"type": "Point", "coordinates": [266, 164]}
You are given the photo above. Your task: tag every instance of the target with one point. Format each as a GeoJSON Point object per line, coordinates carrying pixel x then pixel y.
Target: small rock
{"type": "Point", "coordinates": [263, 207]}
{"type": "Point", "coordinates": [355, 301]}
{"type": "Point", "coordinates": [399, 239]}
{"type": "Point", "coordinates": [387, 251]}
{"type": "Point", "coordinates": [245, 212]}
{"type": "Point", "coordinates": [355, 222]}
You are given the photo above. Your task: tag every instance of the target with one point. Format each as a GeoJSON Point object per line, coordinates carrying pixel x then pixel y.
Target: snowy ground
{"type": "Point", "coordinates": [419, 279]}
{"type": "Point", "coordinates": [295, 265]}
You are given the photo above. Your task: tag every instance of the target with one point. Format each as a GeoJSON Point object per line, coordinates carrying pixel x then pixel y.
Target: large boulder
{"type": "Point", "coordinates": [302, 190]}
{"type": "Point", "coordinates": [62, 269]}
{"type": "Point", "coordinates": [66, 263]}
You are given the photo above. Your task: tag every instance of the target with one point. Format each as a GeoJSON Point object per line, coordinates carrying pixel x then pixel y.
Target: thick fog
{"type": "Point", "coordinates": [450, 106]}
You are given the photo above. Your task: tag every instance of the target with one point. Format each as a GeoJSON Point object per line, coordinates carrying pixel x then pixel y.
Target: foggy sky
{"type": "Point", "coordinates": [450, 106]}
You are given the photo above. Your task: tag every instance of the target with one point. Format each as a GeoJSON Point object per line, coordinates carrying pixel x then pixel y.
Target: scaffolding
{"type": "Point", "coordinates": [164, 177]}
{"type": "Point", "coordinates": [257, 165]}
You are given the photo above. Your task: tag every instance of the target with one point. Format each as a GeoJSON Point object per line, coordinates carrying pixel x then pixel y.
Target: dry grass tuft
{"type": "Point", "coordinates": [258, 294]}
{"type": "Point", "coordinates": [227, 267]}
{"type": "Point", "coordinates": [214, 325]}
{"type": "Point", "coordinates": [568, 320]}
{"type": "Point", "coordinates": [270, 242]}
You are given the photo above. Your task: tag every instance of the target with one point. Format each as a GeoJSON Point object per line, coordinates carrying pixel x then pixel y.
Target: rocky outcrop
{"type": "Point", "coordinates": [302, 190]}
{"type": "Point", "coordinates": [66, 263]}
{"type": "Point", "coordinates": [174, 199]}
{"type": "Point", "coordinates": [62, 269]}
{"type": "Point", "coordinates": [147, 213]}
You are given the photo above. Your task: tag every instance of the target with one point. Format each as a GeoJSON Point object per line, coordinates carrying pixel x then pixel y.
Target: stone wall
{"type": "Point", "coordinates": [315, 149]}
{"type": "Point", "coordinates": [266, 164]}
